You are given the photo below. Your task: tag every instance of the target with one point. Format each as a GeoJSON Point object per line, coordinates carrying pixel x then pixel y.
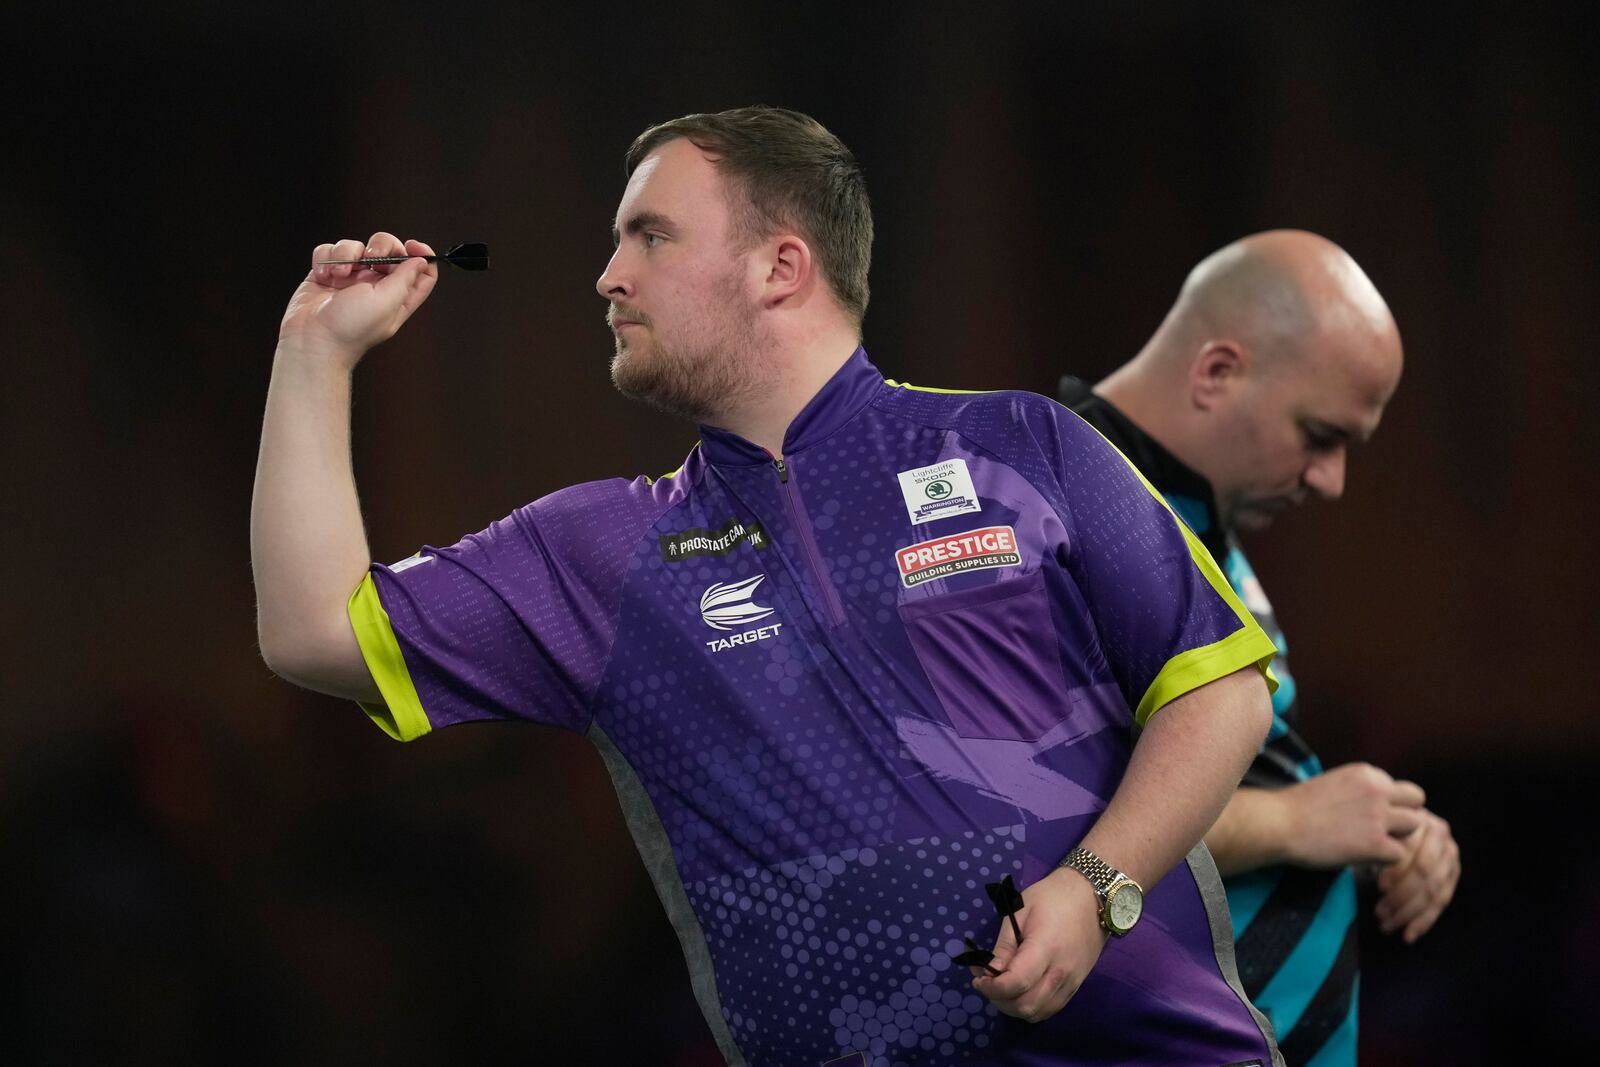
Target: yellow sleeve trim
{"type": "Point", "coordinates": [401, 715]}
{"type": "Point", "coordinates": [1188, 671]}
{"type": "Point", "coordinates": [1192, 669]}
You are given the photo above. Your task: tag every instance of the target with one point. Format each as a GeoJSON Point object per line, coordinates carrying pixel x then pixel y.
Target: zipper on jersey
{"type": "Point", "coordinates": [832, 605]}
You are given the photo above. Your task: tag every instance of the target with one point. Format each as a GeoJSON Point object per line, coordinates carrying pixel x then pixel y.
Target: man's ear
{"type": "Point", "coordinates": [786, 263]}
{"type": "Point", "coordinates": [1217, 370]}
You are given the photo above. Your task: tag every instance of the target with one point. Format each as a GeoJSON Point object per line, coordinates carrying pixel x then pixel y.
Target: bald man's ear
{"type": "Point", "coordinates": [1215, 373]}
{"type": "Point", "coordinates": [786, 263]}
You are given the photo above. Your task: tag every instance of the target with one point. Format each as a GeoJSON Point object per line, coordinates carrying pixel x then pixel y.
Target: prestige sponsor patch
{"type": "Point", "coordinates": [938, 491]}
{"type": "Point", "coordinates": [975, 550]}
{"type": "Point", "coordinates": [678, 547]}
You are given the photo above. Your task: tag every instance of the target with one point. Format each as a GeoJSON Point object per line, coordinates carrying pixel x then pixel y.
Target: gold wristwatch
{"type": "Point", "coordinates": [1121, 898]}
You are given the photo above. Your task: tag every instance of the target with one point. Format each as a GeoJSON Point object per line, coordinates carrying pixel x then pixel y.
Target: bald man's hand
{"type": "Point", "coordinates": [1416, 890]}
{"type": "Point", "coordinates": [1061, 942]}
{"type": "Point", "coordinates": [1354, 813]}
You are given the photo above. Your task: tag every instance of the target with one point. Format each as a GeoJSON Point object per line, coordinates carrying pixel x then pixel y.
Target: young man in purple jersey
{"type": "Point", "coordinates": [871, 648]}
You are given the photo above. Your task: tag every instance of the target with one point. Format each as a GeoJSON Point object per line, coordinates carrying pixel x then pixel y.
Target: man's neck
{"type": "Point", "coordinates": [797, 374]}
{"type": "Point", "coordinates": [1138, 391]}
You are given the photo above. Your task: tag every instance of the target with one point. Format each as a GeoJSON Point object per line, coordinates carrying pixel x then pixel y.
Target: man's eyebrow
{"type": "Point", "coordinates": [644, 220]}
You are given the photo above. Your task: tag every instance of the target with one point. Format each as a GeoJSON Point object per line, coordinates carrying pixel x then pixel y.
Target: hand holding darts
{"type": "Point", "coordinates": [1007, 900]}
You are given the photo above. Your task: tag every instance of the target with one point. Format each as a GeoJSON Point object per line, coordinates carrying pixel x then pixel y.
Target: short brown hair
{"type": "Point", "coordinates": [793, 173]}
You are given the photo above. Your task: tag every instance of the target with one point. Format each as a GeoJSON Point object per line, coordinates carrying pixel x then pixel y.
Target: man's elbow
{"type": "Point", "coordinates": [288, 656]}
{"type": "Point", "coordinates": [314, 659]}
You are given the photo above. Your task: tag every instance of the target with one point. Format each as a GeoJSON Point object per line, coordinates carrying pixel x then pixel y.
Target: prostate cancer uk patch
{"type": "Point", "coordinates": [938, 490]}
{"type": "Point", "coordinates": [975, 550]}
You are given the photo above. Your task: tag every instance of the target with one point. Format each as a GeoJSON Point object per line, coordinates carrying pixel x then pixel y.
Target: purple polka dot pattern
{"type": "Point", "coordinates": [883, 986]}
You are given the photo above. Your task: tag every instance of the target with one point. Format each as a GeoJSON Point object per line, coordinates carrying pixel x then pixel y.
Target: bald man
{"type": "Point", "coordinates": [1277, 356]}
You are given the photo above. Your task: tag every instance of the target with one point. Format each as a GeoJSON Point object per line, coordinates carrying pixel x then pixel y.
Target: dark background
{"type": "Point", "coordinates": [200, 862]}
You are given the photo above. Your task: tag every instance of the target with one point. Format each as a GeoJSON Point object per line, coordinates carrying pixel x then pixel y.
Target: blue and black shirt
{"type": "Point", "coordinates": [1294, 928]}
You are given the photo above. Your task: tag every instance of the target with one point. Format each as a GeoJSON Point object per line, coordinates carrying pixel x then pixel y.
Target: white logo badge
{"type": "Point", "coordinates": [728, 606]}
{"type": "Point", "coordinates": [938, 491]}
{"type": "Point", "coordinates": [725, 605]}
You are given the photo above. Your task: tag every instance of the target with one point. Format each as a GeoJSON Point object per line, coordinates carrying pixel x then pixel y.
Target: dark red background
{"type": "Point", "coordinates": [201, 862]}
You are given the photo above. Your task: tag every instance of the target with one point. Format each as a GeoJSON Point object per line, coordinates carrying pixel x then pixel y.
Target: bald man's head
{"type": "Point", "coordinates": [1276, 292]}
{"type": "Point", "coordinates": [1278, 353]}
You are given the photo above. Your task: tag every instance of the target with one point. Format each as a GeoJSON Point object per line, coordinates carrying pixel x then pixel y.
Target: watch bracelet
{"type": "Point", "coordinates": [1101, 875]}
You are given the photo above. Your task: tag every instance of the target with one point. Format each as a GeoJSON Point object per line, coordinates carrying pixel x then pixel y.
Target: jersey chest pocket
{"type": "Point", "coordinates": [992, 658]}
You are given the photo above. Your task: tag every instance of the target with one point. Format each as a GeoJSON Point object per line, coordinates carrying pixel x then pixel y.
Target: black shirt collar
{"type": "Point", "coordinates": [1170, 475]}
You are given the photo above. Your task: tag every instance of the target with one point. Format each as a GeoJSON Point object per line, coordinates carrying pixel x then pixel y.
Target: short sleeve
{"type": "Point", "coordinates": [512, 623]}
{"type": "Point", "coordinates": [1167, 618]}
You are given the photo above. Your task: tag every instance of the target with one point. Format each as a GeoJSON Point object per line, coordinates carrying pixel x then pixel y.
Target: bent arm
{"type": "Point", "coordinates": [1252, 831]}
{"type": "Point", "coordinates": [308, 547]}
{"type": "Point", "coordinates": [1183, 770]}
{"type": "Point", "coordinates": [1354, 813]}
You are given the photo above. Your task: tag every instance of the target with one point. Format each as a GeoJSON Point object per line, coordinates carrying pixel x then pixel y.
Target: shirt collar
{"type": "Point", "coordinates": [850, 389]}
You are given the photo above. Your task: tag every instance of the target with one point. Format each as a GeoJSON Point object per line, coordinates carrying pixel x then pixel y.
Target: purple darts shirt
{"type": "Point", "coordinates": [839, 692]}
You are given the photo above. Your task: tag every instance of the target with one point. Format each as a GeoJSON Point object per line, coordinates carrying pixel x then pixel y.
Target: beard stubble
{"type": "Point", "coordinates": [714, 364]}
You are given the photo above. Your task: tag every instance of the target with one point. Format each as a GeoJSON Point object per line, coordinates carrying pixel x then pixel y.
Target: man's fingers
{"type": "Point", "coordinates": [1048, 996]}
{"type": "Point", "coordinates": [1422, 924]}
{"type": "Point", "coordinates": [1444, 890]}
{"type": "Point", "coordinates": [1023, 966]}
{"type": "Point", "coordinates": [1407, 795]}
{"type": "Point", "coordinates": [1414, 899]}
{"type": "Point", "coordinates": [385, 244]}
{"type": "Point", "coordinates": [338, 274]}
{"type": "Point", "coordinates": [382, 244]}
{"type": "Point", "coordinates": [321, 253]}
{"type": "Point", "coordinates": [1405, 903]}
{"type": "Point", "coordinates": [1401, 822]}
{"type": "Point", "coordinates": [1391, 852]}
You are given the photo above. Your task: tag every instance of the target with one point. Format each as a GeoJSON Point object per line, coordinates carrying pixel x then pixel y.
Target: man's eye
{"type": "Point", "coordinates": [1320, 440]}
{"type": "Point", "coordinates": [651, 240]}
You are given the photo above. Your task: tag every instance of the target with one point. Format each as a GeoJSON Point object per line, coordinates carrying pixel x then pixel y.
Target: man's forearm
{"type": "Point", "coordinates": [1252, 831]}
{"type": "Point", "coordinates": [1184, 768]}
{"type": "Point", "coordinates": [308, 546]}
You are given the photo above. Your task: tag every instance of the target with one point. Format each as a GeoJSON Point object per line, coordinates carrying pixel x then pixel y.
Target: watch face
{"type": "Point", "coordinates": [1124, 907]}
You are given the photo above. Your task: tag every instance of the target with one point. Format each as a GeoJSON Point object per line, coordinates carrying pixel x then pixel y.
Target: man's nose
{"type": "Point", "coordinates": [1324, 475]}
{"type": "Point", "coordinates": [613, 283]}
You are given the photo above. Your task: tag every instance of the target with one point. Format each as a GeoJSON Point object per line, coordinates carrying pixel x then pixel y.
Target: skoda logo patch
{"type": "Point", "coordinates": [939, 491]}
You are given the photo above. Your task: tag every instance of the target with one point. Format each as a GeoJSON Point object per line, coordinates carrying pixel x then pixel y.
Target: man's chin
{"type": "Point", "coordinates": [1258, 516]}
{"type": "Point", "coordinates": [1250, 521]}
{"type": "Point", "coordinates": [664, 392]}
